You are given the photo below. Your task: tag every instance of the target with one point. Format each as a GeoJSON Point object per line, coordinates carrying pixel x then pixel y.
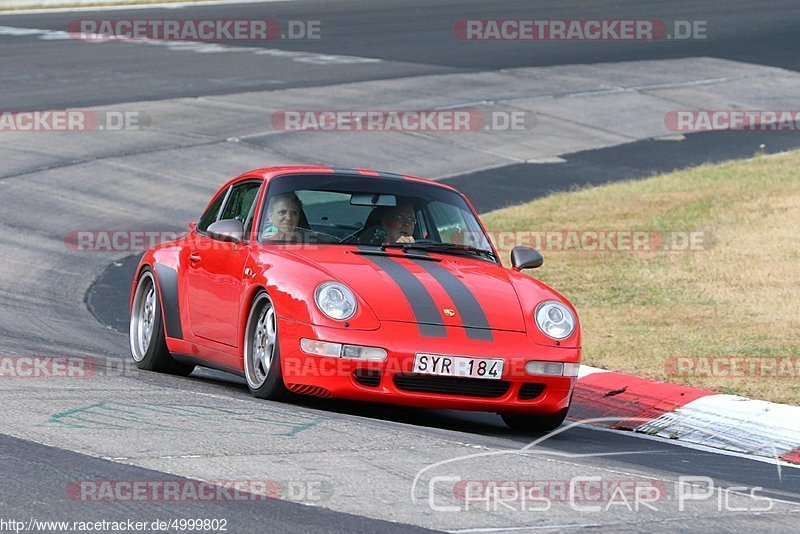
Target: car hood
{"type": "Point", "coordinates": [424, 288]}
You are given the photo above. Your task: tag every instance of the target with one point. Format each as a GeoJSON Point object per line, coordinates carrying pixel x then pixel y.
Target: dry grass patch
{"type": "Point", "coordinates": [739, 296]}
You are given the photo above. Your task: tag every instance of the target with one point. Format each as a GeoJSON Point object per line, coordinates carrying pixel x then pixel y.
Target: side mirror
{"type": "Point", "coordinates": [526, 258]}
{"type": "Point", "coordinates": [227, 230]}
{"type": "Point", "coordinates": [192, 226]}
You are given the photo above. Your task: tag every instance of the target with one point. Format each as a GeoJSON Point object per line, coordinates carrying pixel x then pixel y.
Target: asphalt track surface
{"type": "Point", "coordinates": [494, 188]}
{"type": "Point", "coordinates": [411, 38]}
{"type": "Point", "coordinates": [43, 472]}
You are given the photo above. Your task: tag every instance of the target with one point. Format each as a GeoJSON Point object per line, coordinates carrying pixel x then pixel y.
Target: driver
{"type": "Point", "coordinates": [283, 213]}
{"type": "Point", "coordinates": [397, 225]}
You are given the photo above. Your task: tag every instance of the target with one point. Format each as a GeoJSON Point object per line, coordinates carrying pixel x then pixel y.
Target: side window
{"type": "Point", "coordinates": [240, 201]}
{"type": "Point", "coordinates": [422, 230]}
{"type": "Point", "coordinates": [210, 215]}
{"type": "Point", "coordinates": [456, 226]}
{"type": "Point", "coordinates": [251, 215]}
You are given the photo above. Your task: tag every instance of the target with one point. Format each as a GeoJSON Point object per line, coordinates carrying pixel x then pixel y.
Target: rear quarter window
{"type": "Point", "coordinates": [210, 215]}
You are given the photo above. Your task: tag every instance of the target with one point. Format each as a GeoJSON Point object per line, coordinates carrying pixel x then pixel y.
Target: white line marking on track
{"type": "Point", "coordinates": [310, 58]}
{"type": "Point", "coordinates": [170, 5]}
{"type": "Point", "coordinates": [694, 446]}
{"type": "Point", "coordinates": [519, 529]}
{"type": "Point", "coordinates": [734, 423]}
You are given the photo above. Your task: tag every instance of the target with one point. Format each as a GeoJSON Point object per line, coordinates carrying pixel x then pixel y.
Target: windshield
{"type": "Point", "coordinates": [367, 211]}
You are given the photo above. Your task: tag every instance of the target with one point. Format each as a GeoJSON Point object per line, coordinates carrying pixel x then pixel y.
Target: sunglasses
{"type": "Point", "coordinates": [403, 219]}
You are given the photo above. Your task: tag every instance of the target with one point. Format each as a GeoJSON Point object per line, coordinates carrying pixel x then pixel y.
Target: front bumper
{"type": "Point", "coordinates": [392, 380]}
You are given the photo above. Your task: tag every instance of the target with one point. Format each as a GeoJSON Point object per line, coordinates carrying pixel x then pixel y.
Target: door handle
{"type": "Point", "coordinates": [194, 258]}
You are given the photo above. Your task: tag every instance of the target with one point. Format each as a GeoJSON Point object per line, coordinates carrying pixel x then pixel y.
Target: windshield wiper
{"type": "Point", "coordinates": [441, 247]}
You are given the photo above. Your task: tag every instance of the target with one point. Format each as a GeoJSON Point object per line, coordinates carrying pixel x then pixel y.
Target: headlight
{"type": "Point", "coordinates": [335, 300]}
{"type": "Point", "coordinates": [554, 319]}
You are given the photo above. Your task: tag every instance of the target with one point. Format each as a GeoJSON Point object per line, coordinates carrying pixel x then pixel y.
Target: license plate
{"type": "Point", "coordinates": [436, 364]}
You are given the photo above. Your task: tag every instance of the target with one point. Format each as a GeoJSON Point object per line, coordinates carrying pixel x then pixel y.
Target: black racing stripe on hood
{"type": "Point", "coordinates": [422, 304]}
{"type": "Point", "coordinates": [469, 309]}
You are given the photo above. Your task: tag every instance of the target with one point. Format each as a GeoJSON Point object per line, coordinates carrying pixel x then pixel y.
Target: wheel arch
{"type": "Point", "coordinates": [168, 298]}
{"type": "Point", "coordinates": [248, 299]}
{"type": "Point", "coordinates": [141, 269]}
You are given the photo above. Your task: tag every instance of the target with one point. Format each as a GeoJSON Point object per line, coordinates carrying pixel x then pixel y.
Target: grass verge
{"type": "Point", "coordinates": [725, 316]}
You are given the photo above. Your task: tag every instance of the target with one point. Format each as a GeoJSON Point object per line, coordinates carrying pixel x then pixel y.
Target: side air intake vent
{"type": "Point", "coordinates": [530, 391]}
{"type": "Point", "coordinates": [314, 391]}
{"type": "Point", "coordinates": [367, 377]}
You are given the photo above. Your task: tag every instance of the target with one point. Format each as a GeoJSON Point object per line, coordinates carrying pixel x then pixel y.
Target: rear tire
{"type": "Point", "coordinates": [261, 354]}
{"type": "Point", "coordinates": [534, 423]}
{"type": "Point", "coordinates": [147, 342]}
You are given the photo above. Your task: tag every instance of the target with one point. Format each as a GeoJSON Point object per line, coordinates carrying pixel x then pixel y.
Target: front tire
{"type": "Point", "coordinates": [148, 344]}
{"type": "Point", "coordinates": [262, 362]}
{"type": "Point", "coordinates": [534, 423]}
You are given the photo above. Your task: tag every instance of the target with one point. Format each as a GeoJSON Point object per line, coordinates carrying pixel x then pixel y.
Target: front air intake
{"type": "Point", "coordinates": [445, 385]}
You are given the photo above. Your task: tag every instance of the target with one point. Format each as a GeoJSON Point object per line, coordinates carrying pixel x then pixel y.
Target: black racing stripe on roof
{"type": "Point", "coordinates": [391, 176]}
{"type": "Point", "coordinates": [425, 311]}
{"type": "Point", "coordinates": [469, 309]}
{"type": "Point", "coordinates": [345, 171]}
{"type": "Point", "coordinates": [356, 172]}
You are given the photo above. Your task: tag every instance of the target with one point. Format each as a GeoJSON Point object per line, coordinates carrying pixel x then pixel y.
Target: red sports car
{"type": "Point", "coordinates": [362, 285]}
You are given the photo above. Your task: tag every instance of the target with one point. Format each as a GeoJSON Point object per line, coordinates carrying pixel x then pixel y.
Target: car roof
{"type": "Point", "coordinates": [267, 173]}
